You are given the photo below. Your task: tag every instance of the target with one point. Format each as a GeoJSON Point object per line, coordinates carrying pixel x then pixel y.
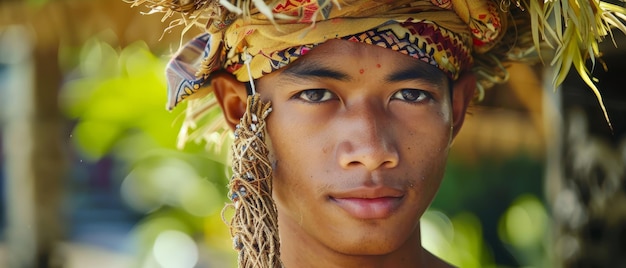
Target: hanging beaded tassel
{"type": "Point", "coordinates": [254, 227]}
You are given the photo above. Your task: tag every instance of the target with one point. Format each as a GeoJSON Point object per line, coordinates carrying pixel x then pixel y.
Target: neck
{"type": "Point", "coordinates": [301, 250]}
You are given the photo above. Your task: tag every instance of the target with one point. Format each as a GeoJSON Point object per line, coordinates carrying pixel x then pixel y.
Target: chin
{"type": "Point", "coordinates": [369, 249]}
{"type": "Point", "coordinates": [372, 241]}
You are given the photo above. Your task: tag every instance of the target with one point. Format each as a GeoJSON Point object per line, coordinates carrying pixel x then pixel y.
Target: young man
{"type": "Point", "coordinates": [359, 137]}
{"type": "Point", "coordinates": [366, 98]}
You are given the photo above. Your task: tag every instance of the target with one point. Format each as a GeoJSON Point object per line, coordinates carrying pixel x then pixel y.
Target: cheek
{"type": "Point", "coordinates": [425, 145]}
{"type": "Point", "coordinates": [293, 157]}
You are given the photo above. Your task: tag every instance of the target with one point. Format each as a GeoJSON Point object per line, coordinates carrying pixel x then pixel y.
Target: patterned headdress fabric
{"type": "Point", "coordinates": [443, 33]}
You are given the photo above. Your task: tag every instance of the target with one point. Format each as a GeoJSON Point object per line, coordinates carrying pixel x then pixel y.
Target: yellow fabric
{"type": "Point", "coordinates": [444, 33]}
{"type": "Point", "coordinates": [260, 36]}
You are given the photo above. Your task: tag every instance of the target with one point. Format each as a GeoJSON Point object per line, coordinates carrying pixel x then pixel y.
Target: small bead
{"type": "Point", "coordinates": [237, 244]}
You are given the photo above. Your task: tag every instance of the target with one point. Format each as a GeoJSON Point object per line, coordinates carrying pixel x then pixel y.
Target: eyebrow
{"type": "Point", "coordinates": [314, 70]}
{"type": "Point", "coordinates": [417, 71]}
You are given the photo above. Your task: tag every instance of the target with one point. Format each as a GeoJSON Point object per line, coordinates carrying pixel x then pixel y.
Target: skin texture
{"type": "Point", "coordinates": [359, 136]}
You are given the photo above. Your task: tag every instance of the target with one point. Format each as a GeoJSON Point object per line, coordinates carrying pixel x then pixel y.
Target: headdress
{"type": "Point", "coordinates": [250, 38]}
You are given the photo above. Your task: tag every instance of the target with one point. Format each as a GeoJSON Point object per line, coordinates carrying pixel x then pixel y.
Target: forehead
{"type": "Point", "coordinates": [345, 55]}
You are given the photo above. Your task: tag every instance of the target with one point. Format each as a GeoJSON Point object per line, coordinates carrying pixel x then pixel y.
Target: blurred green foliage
{"type": "Point", "coordinates": [116, 98]}
{"type": "Point", "coordinates": [495, 217]}
{"type": "Point", "coordinates": [524, 228]}
{"type": "Point", "coordinates": [458, 240]}
{"type": "Point", "coordinates": [117, 92]}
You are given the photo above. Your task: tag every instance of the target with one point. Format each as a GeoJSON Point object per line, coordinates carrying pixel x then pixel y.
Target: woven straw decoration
{"type": "Point", "coordinates": [254, 226]}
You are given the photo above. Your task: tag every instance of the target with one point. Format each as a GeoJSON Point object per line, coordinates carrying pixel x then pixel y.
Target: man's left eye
{"type": "Point", "coordinates": [412, 95]}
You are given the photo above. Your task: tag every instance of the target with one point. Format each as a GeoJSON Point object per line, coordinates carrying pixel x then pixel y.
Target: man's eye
{"type": "Point", "coordinates": [412, 95]}
{"type": "Point", "coordinates": [315, 95]}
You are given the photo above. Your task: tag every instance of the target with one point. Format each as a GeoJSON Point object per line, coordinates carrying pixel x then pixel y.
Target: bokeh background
{"type": "Point", "coordinates": [92, 176]}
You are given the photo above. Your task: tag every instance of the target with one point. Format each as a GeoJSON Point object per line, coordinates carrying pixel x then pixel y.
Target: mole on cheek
{"type": "Point", "coordinates": [378, 65]}
{"type": "Point", "coordinates": [361, 71]}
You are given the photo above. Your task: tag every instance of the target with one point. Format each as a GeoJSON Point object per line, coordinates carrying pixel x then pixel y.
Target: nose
{"type": "Point", "coordinates": [368, 140]}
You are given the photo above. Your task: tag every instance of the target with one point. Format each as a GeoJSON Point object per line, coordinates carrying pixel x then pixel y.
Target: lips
{"type": "Point", "coordinates": [369, 203]}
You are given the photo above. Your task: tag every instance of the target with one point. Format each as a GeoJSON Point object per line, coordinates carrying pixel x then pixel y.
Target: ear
{"type": "Point", "coordinates": [462, 95]}
{"type": "Point", "coordinates": [231, 96]}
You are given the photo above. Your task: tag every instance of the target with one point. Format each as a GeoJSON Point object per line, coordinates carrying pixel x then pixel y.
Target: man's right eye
{"type": "Point", "coordinates": [315, 95]}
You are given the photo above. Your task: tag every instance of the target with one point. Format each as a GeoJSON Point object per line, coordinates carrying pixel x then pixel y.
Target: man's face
{"type": "Point", "coordinates": [359, 137]}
